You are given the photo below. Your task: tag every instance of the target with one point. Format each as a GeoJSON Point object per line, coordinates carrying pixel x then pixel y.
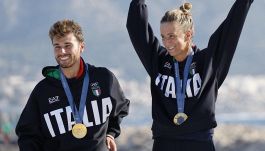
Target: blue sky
{"type": "Point", "coordinates": [25, 24]}
{"type": "Point", "coordinates": [25, 48]}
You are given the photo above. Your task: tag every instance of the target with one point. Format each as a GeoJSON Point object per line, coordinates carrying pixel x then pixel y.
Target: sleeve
{"type": "Point", "coordinates": [142, 37]}
{"type": "Point", "coordinates": [121, 108]}
{"type": "Point", "coordinates": [28, 129]}
{"type": "Point", "coordinates": [224, 40]}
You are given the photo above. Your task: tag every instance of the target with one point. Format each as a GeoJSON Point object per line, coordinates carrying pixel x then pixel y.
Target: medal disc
{"type": "Point", "coordinates": [79, 130]}
{"type": "Point", "coordinates": [180, 118]}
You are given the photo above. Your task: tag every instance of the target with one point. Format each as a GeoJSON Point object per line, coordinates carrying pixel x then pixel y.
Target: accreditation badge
{"type": "Point", "coordinates": [79, 130]}
{"type": "Point", "coordinates": [180, 118]}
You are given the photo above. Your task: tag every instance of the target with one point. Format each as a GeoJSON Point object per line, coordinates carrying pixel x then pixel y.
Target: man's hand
{"type": "Point", "coordinates": [111, 145]}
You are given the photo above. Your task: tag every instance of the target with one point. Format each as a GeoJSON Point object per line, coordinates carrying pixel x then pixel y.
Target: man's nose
{"type": "Point", "coordinates": [63, 50]}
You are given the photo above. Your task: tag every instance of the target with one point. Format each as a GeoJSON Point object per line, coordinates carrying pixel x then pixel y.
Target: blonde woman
{"type": "Point", "coordinates": [184, 79]}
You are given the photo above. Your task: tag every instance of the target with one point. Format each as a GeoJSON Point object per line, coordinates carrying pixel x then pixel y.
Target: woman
{"type": "Point", "coordinates": [184, 79]}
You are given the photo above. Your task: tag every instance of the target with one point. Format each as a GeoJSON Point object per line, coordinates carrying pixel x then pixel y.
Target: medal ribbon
{"type": "Point", "coordinates": [78, 114]}
{"type": "Point", "coordinates": [181, 87]}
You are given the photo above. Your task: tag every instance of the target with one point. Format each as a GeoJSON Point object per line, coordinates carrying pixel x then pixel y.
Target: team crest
{"type": "Point", "coordinates": [192, 68]}
{"type": "Point", "coordinates": [96, 89]}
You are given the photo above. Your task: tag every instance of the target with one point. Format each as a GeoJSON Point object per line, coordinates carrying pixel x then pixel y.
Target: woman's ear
{"type": "Point", "coordinates": [188, 35]}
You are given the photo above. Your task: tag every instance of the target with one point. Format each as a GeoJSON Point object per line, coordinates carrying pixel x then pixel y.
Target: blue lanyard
{"type": "Point", "coordinates": [181, 87]}
{"type": "Point", "coordinates": [78, 114]}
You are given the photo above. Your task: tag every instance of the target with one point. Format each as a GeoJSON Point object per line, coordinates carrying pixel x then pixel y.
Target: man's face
{"type": "Point", "coordinates": [67, 50]}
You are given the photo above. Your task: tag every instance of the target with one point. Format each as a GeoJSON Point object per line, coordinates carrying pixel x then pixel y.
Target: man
{"type": "Point", "coordinates": [77, 106]}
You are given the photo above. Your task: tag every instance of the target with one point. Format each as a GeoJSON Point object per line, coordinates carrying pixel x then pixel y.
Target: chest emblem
{"type": "Point", "coordinates": [96, 89]}
{"type": "Point", "coordinates": [167, 65]}
{"type": "Point", "coordinates": [192, 68]}
{"type": "Point", "coordinates": [53, 99]}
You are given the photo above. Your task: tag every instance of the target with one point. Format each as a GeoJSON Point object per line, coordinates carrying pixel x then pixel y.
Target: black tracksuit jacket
{"type": "Point", "coordinates": [207, 72]}
{"type": "Point", "coordinates": [46, 121]}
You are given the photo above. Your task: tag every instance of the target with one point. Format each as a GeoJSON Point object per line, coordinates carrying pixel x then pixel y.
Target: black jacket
{"type": "Point", "coordinates": [207, 72]}
{"type": "Point", "coordinates": [46, 121]}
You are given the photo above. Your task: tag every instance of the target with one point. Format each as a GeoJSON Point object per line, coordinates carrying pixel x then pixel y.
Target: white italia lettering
{"type": "Point", "coordinates": [170, 89]}
{"type": "Point", "coordinates": [69, 117]}
{"type": "Point", "coordinates": [49, 124]}
{"type": "Point", "coordinates": [197, 83]}
{"type": "Point", "coordinates": [164, 78]}
{"type": "Point", "coordinates": [96, 112]}
{"type": "Point", "coordinates": [85, 119]}
{"type": "Point", "coordinates": [158, 78]}
{"type": "Point", "coordinates": [106, 108]}
{"type": "Point", "coordinates": [188, 89]}
{"type": "Point", "coordinates": [59, 119]}
{"type": "Point", "coordinates": [167, 84]}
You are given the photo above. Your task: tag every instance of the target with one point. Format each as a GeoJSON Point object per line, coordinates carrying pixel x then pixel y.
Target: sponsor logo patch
{"type": "Point", "coordinates": [53, 99]}
{"type": "Point", "coordinates": [167, 65]}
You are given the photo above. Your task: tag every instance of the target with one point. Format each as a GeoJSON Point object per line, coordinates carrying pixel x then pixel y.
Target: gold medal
{"type": "Point", "coordinates": [79, 130]}
{"type": "Point", "coordinates": [180, 118]}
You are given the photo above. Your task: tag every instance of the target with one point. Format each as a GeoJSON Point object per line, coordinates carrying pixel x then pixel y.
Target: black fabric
{"type": "Point", "coordinates": [161, 144]}
{"type": "Point", "coordinates": [46, 121]}
{"type": "Point", "coordinates": [208, 70]}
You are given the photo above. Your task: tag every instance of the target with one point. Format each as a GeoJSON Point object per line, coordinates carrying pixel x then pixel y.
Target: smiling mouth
{"type": "Point", "coordinates": [170, 48]}
{"type": "Point", "coordinates": [63, 58]}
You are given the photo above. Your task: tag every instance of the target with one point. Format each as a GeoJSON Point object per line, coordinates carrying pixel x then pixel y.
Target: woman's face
{"type": "Point", "coordinates": [174, 39]}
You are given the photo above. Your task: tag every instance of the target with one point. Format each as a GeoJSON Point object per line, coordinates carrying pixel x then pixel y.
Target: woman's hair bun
{"type": "Point", "coordinates": [186, 7]}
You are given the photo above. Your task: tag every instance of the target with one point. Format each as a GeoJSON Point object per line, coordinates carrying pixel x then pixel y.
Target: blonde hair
{"type": "Point", "coordinates": [66, 26]}
{"type": "Point", "coordinates": [182, 16]}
